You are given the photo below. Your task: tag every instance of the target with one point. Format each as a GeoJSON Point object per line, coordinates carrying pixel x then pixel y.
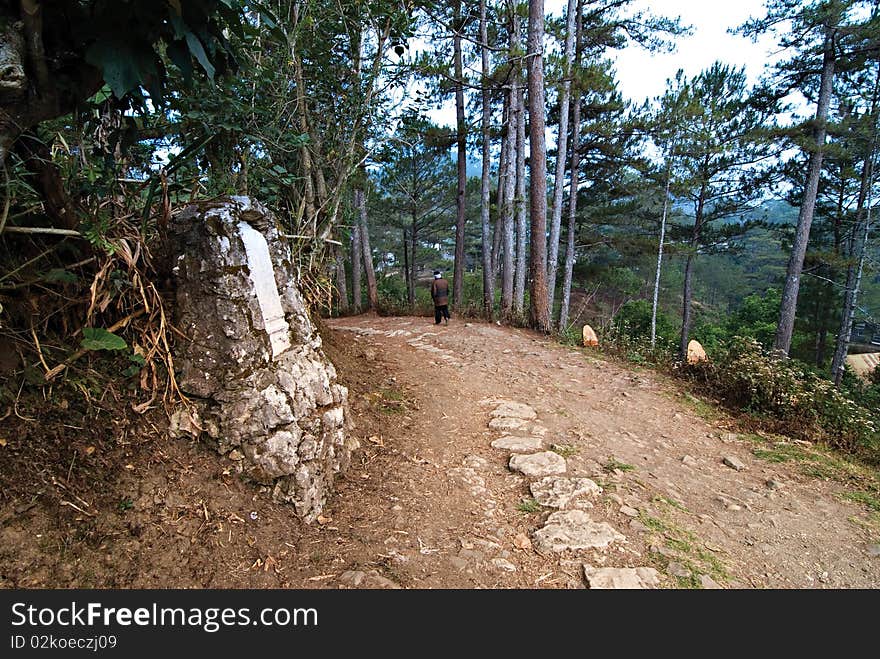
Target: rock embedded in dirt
{"type": "Point", "coordinates": [253, 363]}
{"type": "Point", "coordinates": [574, 529]}
{"type": "Point", "coordinates": [629, 511]}
{"type": "Point", "coordinates": [511, 409]}
{"type": "Point", "coordinates": [774, 484]}
{"type": "Point", "coordinates": [690, 461]}
{"type": "Point", "coordinates": [709, 583]}
{"type": "Point", "coordinates": [504, 423]}
{"type": "Point", "coordinates": [676, 569]}
{"type": "Point", "coordinates": [633, 578]}
{"type": "Point", "coordinates": [504, 565]}
{"type": "Point", "coordinates": [518, 444]}
{"type": "Point", "coordinates": [556, 492]}
{"type": "Point", "coordinates": [734, 463]}
{"type": "Point", "coordinates": [536, 465]}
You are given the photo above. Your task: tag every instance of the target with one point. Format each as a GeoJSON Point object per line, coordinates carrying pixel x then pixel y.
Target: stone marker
{"type": "Point", "coordinates": [253, 364]}
{"type": "Point", "coordinates": [695, 353]}
{"type": "Point", "coordinates": [536, 465]}
{"type": "Point", "coordinates": [589, 337]}
{"type": "Point", "coordinates": [557, 492]}
{"type": "Point", "coordinates": [574, 529]}
{"type": "Point", "coordinates": [621, 577]}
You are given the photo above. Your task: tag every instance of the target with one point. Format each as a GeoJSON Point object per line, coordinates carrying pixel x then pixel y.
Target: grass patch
{"type": "Point", "coordinates": [870, 499]}
{"type": "Point", "coordinates": [669, 502]}
{"type": "Point", "coordinates": [613, 464]}
{"type": "Point", "coordinates": [565, 450]}
{"type": "Point", "coordinates": [688, 552]}
{"type": "Point", "coordinates": [529, 506]}
{"type": "Point", "coordinates": [392, 401]}
{"type": "Point", "coordinates": [679, 545]}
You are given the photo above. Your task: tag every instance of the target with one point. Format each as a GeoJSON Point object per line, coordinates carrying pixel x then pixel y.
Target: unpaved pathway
{"type": "Point", "coordinates": [432, 504]}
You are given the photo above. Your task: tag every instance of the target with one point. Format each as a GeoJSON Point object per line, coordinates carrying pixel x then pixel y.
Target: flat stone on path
{"type": "Point", "coordinates": [621, 577]}
{"type": "Point", "coordinates": [518, 444]}
{"type": "Point", "coordinates": [574, 529]}
{"type": "Point", "coordinates": [514, 410]}
{"type": "Point", "coordinates": [556, 492]}
{"type": "Point", "coordinates": [536, 465]}
{"type": "Point", "coordinates": [505, 423]}
{"type": "Point", "coordinates": [734, 462]}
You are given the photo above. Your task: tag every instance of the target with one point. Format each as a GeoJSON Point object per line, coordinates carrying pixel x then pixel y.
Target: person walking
{"type": "Point", "coordinates": [440, 295]}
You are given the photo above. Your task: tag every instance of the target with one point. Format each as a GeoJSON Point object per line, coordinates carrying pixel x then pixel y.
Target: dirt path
{"type": "Point", "coordinates": [433, 504]}
{"type": "Point", "coordinates": [428, 502]}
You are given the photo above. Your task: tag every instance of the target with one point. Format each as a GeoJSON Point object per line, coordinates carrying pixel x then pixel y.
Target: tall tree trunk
{"type": "Point", "coordinates": [538, 307]}
{"type": "Point", "coordinates": [519, 292]}
{"type": "Point", "coordinates": [413, 246]}
{"type": "Point", "coordinates": [514, 111]}
{"type": "Point", "coordinates": [570, 248]}
{"type": "Point", "coordinates": [409, 292]}
{"type": "Point", "coordinates": [688, 292]}
{"type": "Point", "coordinates": [561, 147]}
{"type": "Point", "coordinates": [341, 286]}
{"type": "Point", "coordinates": [656, 299]}
{"type": "Point", "coordinates": [498, 232]}
{"type": "Point", "coordinates": [488, 277]}
{"type": "Point", "coordinates": [857, 246]}
{"type": "Point", "coordinates": [788, 308]}
{"type": "Point", "coordinates": [687, 298]}
{"type": "Point", "coordinates": [356, 259]}
{"type": "Point", "coordinates": [372, 289]}
{"type": "Point", "coordinates": [458, 266]}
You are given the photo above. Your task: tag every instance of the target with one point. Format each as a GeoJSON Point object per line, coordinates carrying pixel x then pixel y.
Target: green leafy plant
{"type": "Point", "coordinates": [97, 338]}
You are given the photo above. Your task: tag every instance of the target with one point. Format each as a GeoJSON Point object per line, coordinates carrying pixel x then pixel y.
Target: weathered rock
{"type": "Point", "coordinates": [557, 492]}
{"type": "Point", "coordinates": [253, 360]}
{"type": "Point", "coordinates": [504, 565]}
{"type": "Point", "coordinates": [352, 578]}
{"type": "Point", "coordinates": [518, 444]}
{"type": "Point", "coordinates": [458, 563]}
{"type": "Point", "coordinates": [621, 578]}
{"type": "Point", "coordinates": [574, 529]}
{"type": "Point", "coordinates": [708, 582]}
{"type": "Point", "coordinates": [734, 462]}
{"type": "Point", "coordinates": [372, 579]}
{"type": "Point", "coordinates": [506, 423]}
{"type": "Point", "coordinates": [676, 569]}
{"type": "Point", "coordinates": [515, 410]}
{"type": "Point", "coordinates": [695, 353]}
{"type": "Point", "coordinates": [690, 461]}
{"type": "Point", "coordinates": [629, 511]}
{"type": "Point", "coordinates": [536, 465]}
{"type": "Point", "coordinates": [589, 337]}
{"type": "Point", "coordinates": [475, 462]}
{"type": "Point", "coordinates": [470, 479]}
{"type": "Point", "coordinates": [774, 484]}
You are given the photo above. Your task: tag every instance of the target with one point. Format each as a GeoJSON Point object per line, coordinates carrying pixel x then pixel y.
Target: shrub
{"type": "Point", "coordinates": [786, 396]}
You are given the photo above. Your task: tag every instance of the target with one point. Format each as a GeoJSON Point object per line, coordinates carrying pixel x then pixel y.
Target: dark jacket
{"type": "Point", "coordinates": [440, 292]}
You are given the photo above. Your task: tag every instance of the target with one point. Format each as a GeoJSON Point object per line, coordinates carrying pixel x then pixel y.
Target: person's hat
{"type": "Point", "coordinates": [437, 274]}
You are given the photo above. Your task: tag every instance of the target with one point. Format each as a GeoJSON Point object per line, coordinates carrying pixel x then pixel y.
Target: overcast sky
{"type": "Point", "coordinates": [643, 75]}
